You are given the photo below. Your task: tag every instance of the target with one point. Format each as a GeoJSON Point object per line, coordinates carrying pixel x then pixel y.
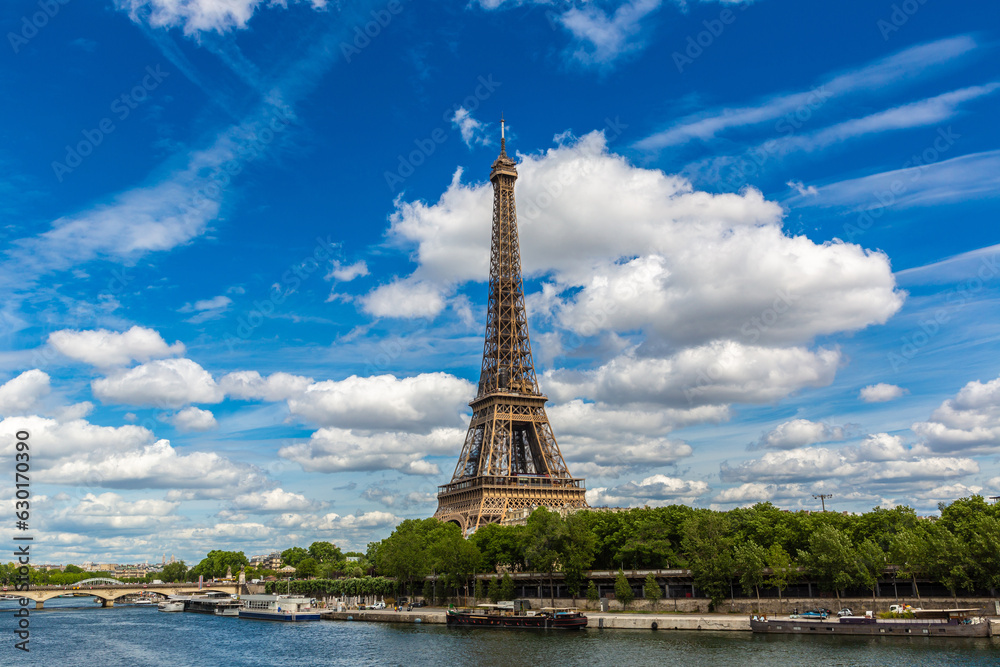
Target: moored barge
{"type": "Point", "coordinates": [497, 617]}
{"type": "Point", "coordinates": [927, 623]}
{"type": "Point", "coordinates": [287, 608]}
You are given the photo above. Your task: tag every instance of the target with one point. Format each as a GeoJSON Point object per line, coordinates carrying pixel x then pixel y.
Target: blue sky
{"type": "Point", "coordinates": [246, 245]}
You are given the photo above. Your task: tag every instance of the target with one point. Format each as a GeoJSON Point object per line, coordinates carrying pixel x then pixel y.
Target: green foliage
{"type": "Point", "coordinates": [783, 569]}
{"type": "Point", "coordinates": [293, 555]}
{"type": "Point", "coordinates": [493, 590]}
{"type": "Point", "coordinates": [750, 559]}
{"type": "Point", "coordinates": [576, 551]}
{"type": "Point", "coordinates": [306, 568]}
{"type": "Point", "coordinates": [650, 589]}
{"type": "Point", "coordinates": [592, 593]}
{"type": "Point", "coordinates": [500, 546]}
{"type": "Point", "coordinates": [452, 556]}
{"type": "Point", "coordinates": [831, 559]}
{"type": "Point", "coordinates": [545, 533]}
{"type": "Point", "coordinates": [360, 586]}
{"type": "Point", "coordinates": [870, 564]}
{"type": "Point", "coordinates": [623, 590]}
{"type": "Point", "coordinates": [506, 588]}
{"type": "Point", "coordinates": [217, 563]}
{"type": "Point", "coordinates": [427, 593]}
{"type": "Point", "coordinates": [72, 569]}
{"type": "Point", "coordinates": [325, 552]}
{"type": "Point", "coordinates": [176, 571]}
{"type": "Point", "coordinates": [707, 544]}
{"type": "Point", "coordinates": [479, 592]}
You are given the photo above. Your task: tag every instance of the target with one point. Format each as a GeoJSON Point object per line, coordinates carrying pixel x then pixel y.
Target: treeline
{"type": "Point", "coordinates": [351, 586]}
{"type": "Point", "coordinates": [754, 547]}
{"type": "Point", "coordinates": [320, 559]}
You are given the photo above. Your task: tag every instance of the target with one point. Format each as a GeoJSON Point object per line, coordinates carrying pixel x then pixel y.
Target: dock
{"type": "Point", "coordinates": [597, 620]}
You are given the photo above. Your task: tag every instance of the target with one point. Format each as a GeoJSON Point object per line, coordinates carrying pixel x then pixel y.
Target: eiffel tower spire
{"type": "Point", "coordinates": [510, 460]}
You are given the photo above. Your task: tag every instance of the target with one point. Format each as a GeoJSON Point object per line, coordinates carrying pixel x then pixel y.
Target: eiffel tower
{"type": "Point", "coordinates": [510, 460]}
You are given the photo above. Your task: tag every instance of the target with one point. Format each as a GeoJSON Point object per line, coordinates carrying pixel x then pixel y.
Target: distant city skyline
{"type": "Point", "coordinates": [246, 247]}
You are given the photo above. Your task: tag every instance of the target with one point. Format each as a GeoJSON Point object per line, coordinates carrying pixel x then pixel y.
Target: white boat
{"type": "Point", "coordinates": [171, 605]}
{"type": "Point", "coordinates": [289, 608]}
{"type": "Point", "coordinates": [144, 602]}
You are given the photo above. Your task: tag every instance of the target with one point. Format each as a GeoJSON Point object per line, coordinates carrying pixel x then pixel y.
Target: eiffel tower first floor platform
{"type": "Point", "coordinates": [476, 501]}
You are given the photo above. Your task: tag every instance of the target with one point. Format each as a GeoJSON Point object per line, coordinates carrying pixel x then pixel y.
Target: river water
{"type": "Point", "coordinates": [74, 633]}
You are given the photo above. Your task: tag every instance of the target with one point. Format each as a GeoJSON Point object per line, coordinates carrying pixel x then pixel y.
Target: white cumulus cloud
{"type": "Point", "coordinates": [193, 419]}
{"type": "Point", "coordinates": [21, 394]}
{"type": "Point", "coordinates": [169, 383]}
{"type": "Point", "coordinates": [880, 393]}
{"type": "Point", "coordinates": [103, 348]}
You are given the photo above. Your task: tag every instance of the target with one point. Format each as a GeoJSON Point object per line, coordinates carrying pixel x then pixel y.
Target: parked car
{"type": "Point", "coordinates": [814, 613]}
{"type": "Point", "coordinates": [419, 603]}
{"type": "Point", "coordinates": [845, 612]}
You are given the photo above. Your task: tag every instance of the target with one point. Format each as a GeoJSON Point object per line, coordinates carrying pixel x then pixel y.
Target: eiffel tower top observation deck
{"type": "Point", "coordinates": [510, 460]}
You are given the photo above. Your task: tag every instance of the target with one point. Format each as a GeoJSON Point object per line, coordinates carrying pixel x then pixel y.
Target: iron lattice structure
{"type": "Point", "coordinates": [510, 461]}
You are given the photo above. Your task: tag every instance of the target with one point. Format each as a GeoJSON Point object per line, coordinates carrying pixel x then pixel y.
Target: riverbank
{"type": "Point", "coordinates": [597, 620]}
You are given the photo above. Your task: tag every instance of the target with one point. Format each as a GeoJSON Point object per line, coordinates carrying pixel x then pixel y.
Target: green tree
{"type": "Point", "coordinates": [176, 571]}
{"type": "Point", "coordinates": [783, 569]}
{"type": "Point", "coordinates": [545, 535]}
{"type": "Point", "coordinates": [983, 547]}
{"type": "Point", "coordinates": [908, 552]}
{"type": "Point", "coordinates": [217, 563]}
{"type": "Point", "coordinates": [870, 565]}
{"type": "Point", "coordinates": [452, 556]}
{"type": "Point", "coordinates": [707, 545]}
{"type": "Point", "coordinates": [500, 546]}
{"type": "Point", "coordinates": [73, 569]}
{"type": "Point", "coordinates": [428, 592]}
{"type": "Point", "coordinates": [478, 592]}
{"type": "Point", "coordinates": [948, 561]}
{"type": "Point", "coordinates": [506, 588]}
{"type": "Point", "coordinates": [325, 552]}
{"type": "Point", "coordinates": [750, 560]}
{"type": "Point", "coordinates": [306, 568]}
{"type": "Point", "coordinates": [623, 590]}
{"type": "Point", "coordinates": [493, 590]}
{"type": "Point", "coordinates": [651, 590]}
{"type": "Point", "coordinates": [592, 593]}
{"type": "Point", "coordinates": [404, 554]}
{"type": "Point", "coordinates": [832, 559]}
{"type": "Point", "coordinates": [293, 555]}
{"type": "Point", "coordinates": [576, 551]}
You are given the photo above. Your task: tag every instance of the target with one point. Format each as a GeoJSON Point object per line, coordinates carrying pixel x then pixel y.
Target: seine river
{"type": "Point", "coordinates": [88, 636]}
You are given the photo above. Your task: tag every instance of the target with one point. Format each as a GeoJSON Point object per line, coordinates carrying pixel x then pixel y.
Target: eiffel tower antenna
{"type": "Point", "coordinates": [510, 460]}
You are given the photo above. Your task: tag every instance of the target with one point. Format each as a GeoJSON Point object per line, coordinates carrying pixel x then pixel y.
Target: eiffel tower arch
{"type": "Point", "coordinates": [510, 460]}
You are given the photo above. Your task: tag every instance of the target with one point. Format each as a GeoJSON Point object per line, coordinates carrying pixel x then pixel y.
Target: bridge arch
{"type": "Point", "coordinates": [100, 580]}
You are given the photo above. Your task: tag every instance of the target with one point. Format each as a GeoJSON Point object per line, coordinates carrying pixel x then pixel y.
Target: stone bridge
{"type": "Point", "coordinates": [109, 590]}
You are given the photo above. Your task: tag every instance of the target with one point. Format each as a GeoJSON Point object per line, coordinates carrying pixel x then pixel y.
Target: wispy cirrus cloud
{"type": "Point", "coordinates": [962, 178]}
{"type": "Point", "coordinates": [898, 69]}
